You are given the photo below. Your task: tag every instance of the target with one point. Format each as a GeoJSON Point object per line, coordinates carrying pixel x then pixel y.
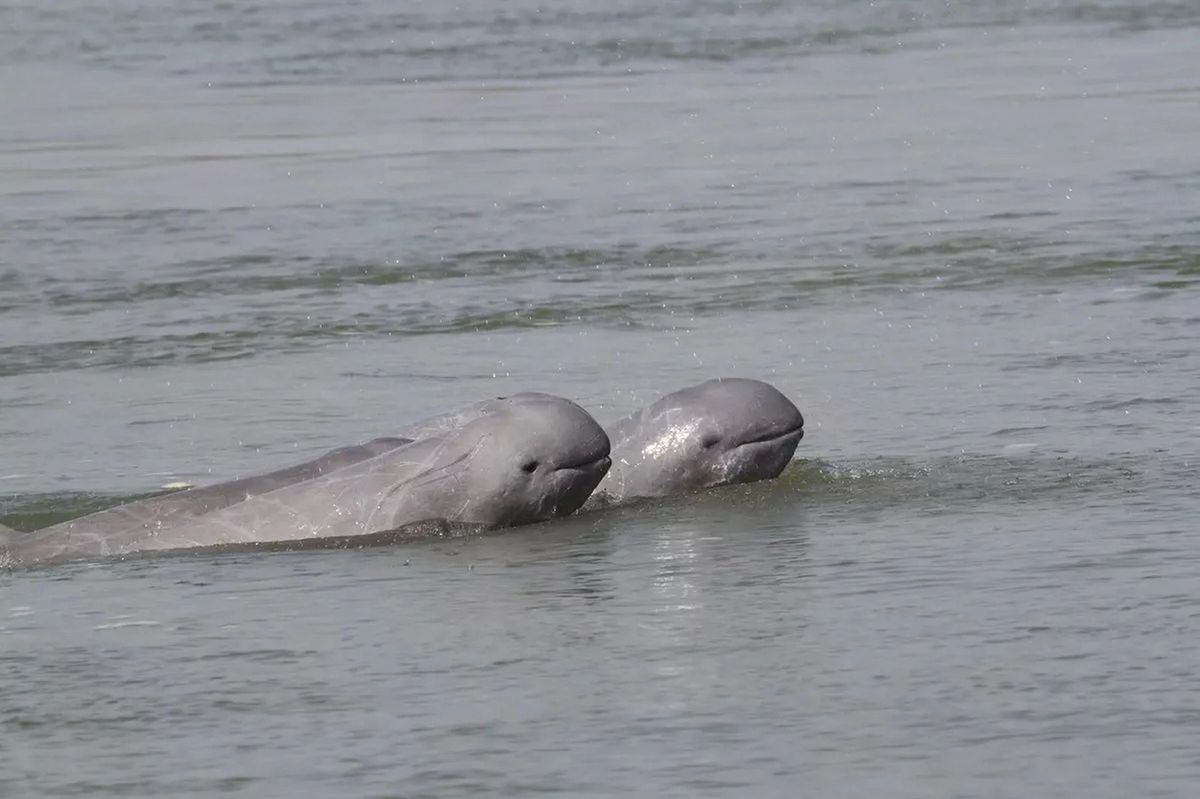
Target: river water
{"type": "Point", "coordinates": [964, 238]}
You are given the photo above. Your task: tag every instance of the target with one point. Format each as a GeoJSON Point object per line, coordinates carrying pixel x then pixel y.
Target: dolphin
{"type": "Point", "coordinates": [531, 458]}
{"type": "Point", "coordinates": [722, 431]}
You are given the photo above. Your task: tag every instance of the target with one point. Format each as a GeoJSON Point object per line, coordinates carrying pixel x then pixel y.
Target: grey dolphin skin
{"type": "Point", "coordinates": [722, 431]}
{"type": "Point", "coordinates": [169, 508]}
{"type": "Point", "coordinates": [531, 458]}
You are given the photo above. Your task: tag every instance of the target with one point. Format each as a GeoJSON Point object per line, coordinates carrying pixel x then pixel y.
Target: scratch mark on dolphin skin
{"type": "Point", "coordinates": [426, 478]}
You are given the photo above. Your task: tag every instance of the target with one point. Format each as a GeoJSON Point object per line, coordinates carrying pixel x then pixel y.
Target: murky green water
{"type": "Point", "coordinates": [965, 239]}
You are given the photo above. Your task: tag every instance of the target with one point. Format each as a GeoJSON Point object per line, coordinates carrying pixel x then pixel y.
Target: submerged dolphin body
{"type": "Point", "coordinates": [532, 457]}
{"type": "Point", "coordinates": [722, 431]}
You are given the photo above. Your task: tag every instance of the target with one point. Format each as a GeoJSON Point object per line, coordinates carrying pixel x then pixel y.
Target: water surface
{"type": "Point", "coordinates": [963, 238]}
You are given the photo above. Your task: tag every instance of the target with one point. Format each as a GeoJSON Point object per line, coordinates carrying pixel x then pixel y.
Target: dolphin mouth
{"type": "Point", "coordinates": [796, 432]}
{"type": "Point", "coordinates": [600, 464]}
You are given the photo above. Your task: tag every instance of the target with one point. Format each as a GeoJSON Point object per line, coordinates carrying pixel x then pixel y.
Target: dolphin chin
{"type": "Point", "coordinates": [762, 458]}
{"type": "Point", "coordinates": [576, 484]}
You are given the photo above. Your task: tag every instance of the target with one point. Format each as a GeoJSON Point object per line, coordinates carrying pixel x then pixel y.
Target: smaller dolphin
{"type": "Point", "coordinates": [531, 458]}
{"type": "Point", "coordinates": [722, 431]}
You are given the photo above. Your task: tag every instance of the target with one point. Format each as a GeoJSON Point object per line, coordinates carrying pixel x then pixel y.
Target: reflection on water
{"type": "Point", "coordinates": [673, 567]}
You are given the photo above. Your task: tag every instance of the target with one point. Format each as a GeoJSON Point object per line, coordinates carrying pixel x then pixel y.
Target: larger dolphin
{"type": "Point", "coordinates": [532, 457]}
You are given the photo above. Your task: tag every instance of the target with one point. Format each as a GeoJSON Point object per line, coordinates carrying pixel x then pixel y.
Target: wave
{"type": "Point", "coordinates": [255, 44]}
{"type": "Point", "coordinates": [246, 306]}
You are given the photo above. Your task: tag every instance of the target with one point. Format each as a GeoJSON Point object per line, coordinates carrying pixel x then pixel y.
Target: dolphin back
{"type": "Point", "coordinates": [343, 504]}
{"type": "Point", "coordinates": [117, 530]}
{"type": "Point", "coordinates": [449, 423]}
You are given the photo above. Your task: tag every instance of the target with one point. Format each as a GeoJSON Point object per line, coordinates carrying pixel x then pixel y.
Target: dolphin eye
{"type": "Point", "coordinates": [529, 467]}
{"type": "Point", "coordinates": [710, 440]}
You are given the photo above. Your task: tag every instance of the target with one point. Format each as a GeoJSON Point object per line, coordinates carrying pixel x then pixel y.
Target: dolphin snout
{"type": "Point", "coordinates": [776, 436]}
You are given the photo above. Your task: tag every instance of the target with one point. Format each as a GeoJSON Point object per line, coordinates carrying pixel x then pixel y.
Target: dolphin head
{"type": "Point", "coordinates": [722, 431]}
{"type": "Point", "coordinates": [526, 458]}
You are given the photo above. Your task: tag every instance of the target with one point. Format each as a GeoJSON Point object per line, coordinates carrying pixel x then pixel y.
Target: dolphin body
{"type": "Point", "coordinates": [531, 457]}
